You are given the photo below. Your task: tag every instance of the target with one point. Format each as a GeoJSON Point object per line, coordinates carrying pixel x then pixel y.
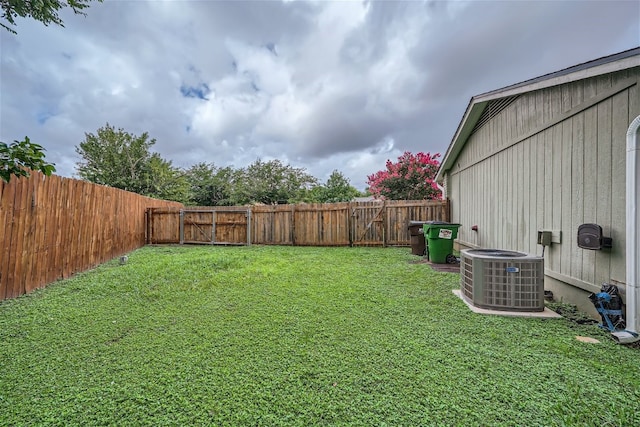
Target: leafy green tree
{"type": "Point", "coordinates": [45, 11]}
{"type": "Point", "coordinates": [116, 158]}
{"type": "Point", "coordinates": [200, 178]}
{"type": "Point", "coordinates": [271, 182]}
{"type": "Point", "coordinates": [17, 158]}
{"type": "Point", "coordinates": [209, 185]}
{"type": "Point", "coordinates": [122, 160]}
{"type": "Point", "coordinates": [165, 181]}
{"type": "Point", "coordinates": [337, 189]}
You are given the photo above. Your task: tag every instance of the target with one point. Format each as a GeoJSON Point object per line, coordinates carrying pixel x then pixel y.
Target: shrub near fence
{"type": "Point", "coordinates": [52, 227]}
{"type": "Point", "coordinates": [329, 224]}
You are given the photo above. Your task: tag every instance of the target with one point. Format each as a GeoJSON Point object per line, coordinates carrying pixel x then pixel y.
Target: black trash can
{"type": "Point", "coordinates": [418, 242]}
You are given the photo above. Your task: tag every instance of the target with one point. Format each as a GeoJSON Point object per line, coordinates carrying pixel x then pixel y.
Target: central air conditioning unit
{"type": "Point", "coordinates": [502, 280]}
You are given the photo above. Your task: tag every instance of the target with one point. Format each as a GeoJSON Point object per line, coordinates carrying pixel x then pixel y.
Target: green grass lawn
{"type": "Point", "coordinates": [296, 336]}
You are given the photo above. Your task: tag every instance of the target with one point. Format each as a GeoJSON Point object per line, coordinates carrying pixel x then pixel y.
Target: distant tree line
{"type": "Point", "coordinates": [122, 160]}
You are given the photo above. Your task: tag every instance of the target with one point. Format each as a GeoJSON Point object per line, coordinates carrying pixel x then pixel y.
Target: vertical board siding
{"type": "Point", "coordinates": [540, 192]}
{"type": "Point", "coordinates": [590, 200]}
{"type": "Point", "coordinates": [577, 195]}
{"type": "Point", "coordinates": [619, 125]}
{"type": "Point", "coordinates": [527, 198]}
{"type": "Point", "coordinates": [603, 177]}
{"type": "Point", "coordinates": [567, 173]}
{"type": "Point", "coordinates": [53, 227]}
{"type": "Point", "coordinates": [330, 224]}
{"type": "Point", "coordinates": [555, 190]}
{"type": "Point", "coordinates": [566, 195]}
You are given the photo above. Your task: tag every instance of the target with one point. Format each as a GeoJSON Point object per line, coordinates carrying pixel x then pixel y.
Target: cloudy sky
{"type": "Point", "coordinates": [317, 84]}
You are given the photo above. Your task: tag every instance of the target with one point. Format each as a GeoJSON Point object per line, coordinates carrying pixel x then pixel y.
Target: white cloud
{"type": "Point", "coordinates": [322, 85]}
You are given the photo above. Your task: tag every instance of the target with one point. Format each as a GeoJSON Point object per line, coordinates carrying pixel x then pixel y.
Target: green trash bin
{"type": "Point", "coordinates": [439, 237]}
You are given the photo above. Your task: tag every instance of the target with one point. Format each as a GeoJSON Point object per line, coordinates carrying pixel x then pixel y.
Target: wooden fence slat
{"type": "Point", "coordinates": [39, 278]}
{"type": "Point", "coordinates": [51, 197]}
{"type": "Point", "coordinates": [35, 237]}
{"type": "Point", "coordinates": [53, 227]}
{"type": "Point", "coordinates": [16, 287]}
{"type": "Point", "coordinates": [8, 201]}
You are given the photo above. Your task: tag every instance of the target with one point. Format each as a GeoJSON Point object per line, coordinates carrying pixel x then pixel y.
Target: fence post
{"type": "Point", "coordinates": [147, 229]}
{"type": "Point", "coordinates": [385, 214]}
{"type": "Point", "coordinates": [181, 226]}
{"type": "Point", "coordinates": [249, 227]}
{"type": "Point", "coordinates": [213, 226]}
{"type": "Point", "coordinates": [293, 225]}
{"type": "Point", "coordinates": [350, 223]}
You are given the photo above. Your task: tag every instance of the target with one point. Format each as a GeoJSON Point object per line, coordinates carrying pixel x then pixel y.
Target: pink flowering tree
{"type": "Point", "coordinates": [412, 177]}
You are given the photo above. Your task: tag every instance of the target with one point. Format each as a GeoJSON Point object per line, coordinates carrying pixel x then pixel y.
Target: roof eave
{"type": "Point", "coordinates": [556, 79]}
{"type": "Point", "coordinates": [470, 118]}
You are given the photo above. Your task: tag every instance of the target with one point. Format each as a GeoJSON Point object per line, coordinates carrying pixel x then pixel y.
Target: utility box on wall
{"type": "Point", "coordinates": [547, 237]}
{"type": "Point", "coordinates": [544, 238]}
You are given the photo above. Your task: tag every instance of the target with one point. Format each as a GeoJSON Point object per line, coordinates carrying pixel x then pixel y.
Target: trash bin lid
{"type": "Point", "coordinates": [434, 224]}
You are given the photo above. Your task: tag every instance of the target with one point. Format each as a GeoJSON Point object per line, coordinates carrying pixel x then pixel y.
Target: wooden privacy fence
{"type": "Point", "coordinates": [329, 224]}
{"type": "Point", "coordinates": [52, 227]}
{"type": "Point", "coordinates": [227, 226]}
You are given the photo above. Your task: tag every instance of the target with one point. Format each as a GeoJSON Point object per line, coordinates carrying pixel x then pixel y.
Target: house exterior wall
{"type": "Point", "coordinates": [551, 160]}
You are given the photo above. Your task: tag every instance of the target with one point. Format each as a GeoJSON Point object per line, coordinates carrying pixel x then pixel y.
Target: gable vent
{"type": "Point", "coordinates": [494, 108]}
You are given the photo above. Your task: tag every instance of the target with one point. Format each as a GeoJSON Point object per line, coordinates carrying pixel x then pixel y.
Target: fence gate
{"type": "Point", "coordinates": [215, 227]}
{"type": "Point", "coordinates": [368, 224]}
{"type": "Point", "coordinates": [199, 226]}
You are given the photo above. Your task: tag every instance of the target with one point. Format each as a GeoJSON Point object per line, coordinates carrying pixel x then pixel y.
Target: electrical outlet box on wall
{"type": "Point", "coordinates": [544, 238]}
{"type": "Point", "coordinates": [547, 237]}
{"type": "Point", "coordinates": [556, 236]}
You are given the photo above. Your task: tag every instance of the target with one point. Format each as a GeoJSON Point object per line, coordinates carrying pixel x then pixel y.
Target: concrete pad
{"type": "Point", "coordinates": [587, 339]}
{"type": "Point", "coordinates": [546, 314]}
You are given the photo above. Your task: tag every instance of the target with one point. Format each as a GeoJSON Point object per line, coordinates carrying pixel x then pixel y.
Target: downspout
{"type": "Point", "coordinates": [633, 227]}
